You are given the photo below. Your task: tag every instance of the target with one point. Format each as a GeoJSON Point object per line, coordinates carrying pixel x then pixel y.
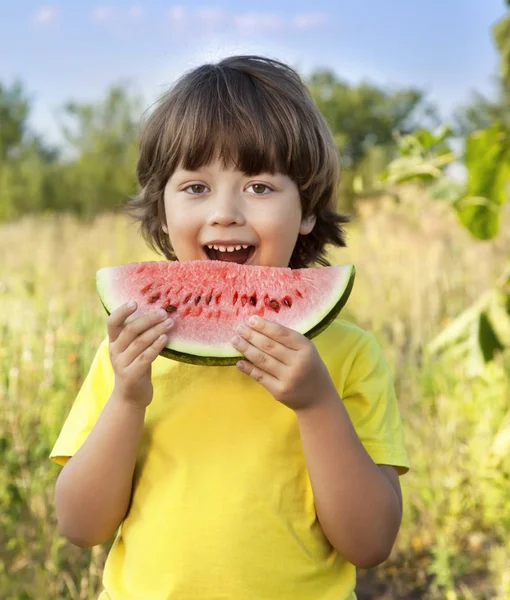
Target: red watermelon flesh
{"type": "Point", "coordinates": [208, 299]}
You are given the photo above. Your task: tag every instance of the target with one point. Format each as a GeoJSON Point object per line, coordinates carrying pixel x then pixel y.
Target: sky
{"type": "Point", "coordinates": [62, 51]}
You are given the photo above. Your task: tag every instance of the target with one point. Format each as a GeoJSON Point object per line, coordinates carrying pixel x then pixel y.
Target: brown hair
{"type": "Point", "coordinates": [251, 112]}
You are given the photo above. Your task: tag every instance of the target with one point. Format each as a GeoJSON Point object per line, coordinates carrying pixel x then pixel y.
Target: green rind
{"type": "Point", "coordinates": [228, 361]}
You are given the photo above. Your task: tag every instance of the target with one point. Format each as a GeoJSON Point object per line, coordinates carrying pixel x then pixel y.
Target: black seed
{"type": "Point", "coordinates": [274, 304]}
{"type": "Point", "coordinates": [154, 298]}
{"type": "Point", "coordinates": [253, 300]}
{"type": "Point", "coordinates": [208, 299]}
{"type": "Point", "coordinates": [197, 299]}
{"type": "Point", "coordinates": [170, 308]}
{"type": "Point", "coordinates": [287, 301]}
{"type": "Point", "coordinates": [187, 299]}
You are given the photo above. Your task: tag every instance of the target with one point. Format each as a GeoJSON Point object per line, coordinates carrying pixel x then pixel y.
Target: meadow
{"type": "Point", "coordinates": [417, 268]}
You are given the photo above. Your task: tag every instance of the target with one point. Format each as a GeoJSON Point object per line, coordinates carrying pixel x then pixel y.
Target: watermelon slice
{"type": "Point", "coordinates": [207, 299]}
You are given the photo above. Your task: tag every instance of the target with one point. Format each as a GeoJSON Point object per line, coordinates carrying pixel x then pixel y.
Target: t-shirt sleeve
{"type": "Point", "coordinates": [370, 399]}
{"type": "Point", "coordinates": [88, 405]}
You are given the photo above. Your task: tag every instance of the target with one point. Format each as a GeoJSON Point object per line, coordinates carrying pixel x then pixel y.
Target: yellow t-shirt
{"type": "Point", "coordinates": [222, 506]}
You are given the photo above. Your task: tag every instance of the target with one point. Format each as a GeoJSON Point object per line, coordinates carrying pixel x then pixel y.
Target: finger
{"type": "Point", "coordinates": [287, 337]}
{"type": "Point", "coordinates": [260, 376]}
{"type": "Point", "coordinates": [136, 327]}
{"type": "Point", "coordinates": [145, 340]}
{"type": "Point", "coordinates": [259, 358]}
{"type": "Point", "coordinates": [266, 344]}
{"type": "Point", "coordinates": [147, 357]}
{"type": "Point", "coordinates": [115, 321]}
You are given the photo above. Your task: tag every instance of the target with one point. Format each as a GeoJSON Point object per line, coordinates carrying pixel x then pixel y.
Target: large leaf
{"type": "Point", "coordinates": [480, 332]}
{"type": "Point", "coordinates": [488, 163]}
{"type": "Point", "coordinates": [479, 215]}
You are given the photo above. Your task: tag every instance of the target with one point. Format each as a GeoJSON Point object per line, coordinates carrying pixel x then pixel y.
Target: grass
{"type": "Point", "coordinates": [416, 270]}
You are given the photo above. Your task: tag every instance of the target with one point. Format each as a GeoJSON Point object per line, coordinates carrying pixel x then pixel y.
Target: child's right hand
{"type": "Point", "coordinates": [133, 348]}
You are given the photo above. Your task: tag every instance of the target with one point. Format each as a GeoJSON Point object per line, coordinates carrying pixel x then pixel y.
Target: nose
{"type": "Point", "coordinates": [227, 210]}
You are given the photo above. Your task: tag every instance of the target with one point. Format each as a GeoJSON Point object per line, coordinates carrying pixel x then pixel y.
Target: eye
{"type": "Point", "coordinates": [197, 189]}
{"type": "Point", "coordinates": [258, 189]}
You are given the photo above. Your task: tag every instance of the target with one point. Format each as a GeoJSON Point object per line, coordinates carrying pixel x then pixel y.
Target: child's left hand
{"type": "Point", "coordinates": [285, 362]}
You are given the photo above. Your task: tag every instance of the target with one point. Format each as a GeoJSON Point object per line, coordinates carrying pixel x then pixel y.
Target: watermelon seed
{"type": "Point", "coordinates": [218, 298]}
{"type": "Point", "coordinates": [274, 304]}
{"type": "Point", "coordinates": [187, 299]}
{"type": "Point", "coordinates": [197, 299]}
{"type": "Point", "coordinates": [208, 299]}
{"type": "Point", "coordinates": [170, 308]}
{"type": "Point", "coordinates": [234, 300]}
{"type": "Point", "coordinates": [299, 293]}
{"type": "Point", "coordinates": [154, 298]}
{"type": "Point", "coordinates": [147, 288]}
{"type": "Point", "coordinates": [287, 301]}
{"type": "Point", "coordinates": [244, 299]}
{"type": "Point", "coordinates": [253, 300]}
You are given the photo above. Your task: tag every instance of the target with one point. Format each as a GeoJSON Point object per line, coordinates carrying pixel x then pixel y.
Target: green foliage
{"type": "Point", "coordinates": [487, 159]}
{"type": "Point", "coordinates": [501, 34]}
{"type": "Point", "coordinates": [423, 156]}
{"type": "Point", "coordinates": [363, 116]}
{"type": "Point", "coordinates": [97, 170]}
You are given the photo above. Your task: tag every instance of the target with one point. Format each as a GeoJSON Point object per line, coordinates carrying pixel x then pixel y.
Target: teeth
{"type": "Point", "coordinates": [226, 248]}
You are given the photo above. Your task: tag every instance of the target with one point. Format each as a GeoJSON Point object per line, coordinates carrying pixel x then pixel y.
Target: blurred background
{"type": "Point", "coordinates": [418, 98]}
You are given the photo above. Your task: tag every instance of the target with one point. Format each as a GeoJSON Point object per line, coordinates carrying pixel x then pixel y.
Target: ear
{"type": "Point", "coordinates": [307, 224]}
{"type": "Point", "coordinates": [164, 228]}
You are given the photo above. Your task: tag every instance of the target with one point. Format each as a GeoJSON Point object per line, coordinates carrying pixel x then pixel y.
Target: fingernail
{"type": "Point", "coordinates": [131, 304]}
{"type": "Point", "coordinates": [169, 323]}
{"type": "Point", "coordinates": [254, 320]}
{"type": "Point", "coordinates": [240, 328]}
{"type": "Point", "coordinates": [161, 313]}
{"type": "Point", "coordinates": [235, 341]}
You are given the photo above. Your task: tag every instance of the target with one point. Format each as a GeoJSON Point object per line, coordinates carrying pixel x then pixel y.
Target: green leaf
{"type": "Point", "coordinates": [479, 216]}
{"type": "Point", "coordinates": [488, 164]}
{"type": "Point", "coordinates": [487, 339]}
{"type": "Point", "coordinates": [408, 168]}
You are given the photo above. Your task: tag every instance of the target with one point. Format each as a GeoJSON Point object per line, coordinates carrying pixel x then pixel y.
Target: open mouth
{"type": "Point", "coordinates": [238, 254]}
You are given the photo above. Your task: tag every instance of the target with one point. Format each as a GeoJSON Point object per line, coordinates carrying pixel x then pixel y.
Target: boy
{"type": "Point", "coordinates": [273, 479]}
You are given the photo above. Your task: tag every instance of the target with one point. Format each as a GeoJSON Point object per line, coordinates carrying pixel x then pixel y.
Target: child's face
{"type": "Point", "coordinates": [226, 208]}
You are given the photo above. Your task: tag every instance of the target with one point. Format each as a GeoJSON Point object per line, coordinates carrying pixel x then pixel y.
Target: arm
{"type": "Point", "coordinates": [93, 490]}
{"type": "Point", "coordinates": [359, 504]}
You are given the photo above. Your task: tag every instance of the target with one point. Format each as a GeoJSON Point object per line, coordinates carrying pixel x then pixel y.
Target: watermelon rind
{"type": "Point", "coordinates": [198, 355]}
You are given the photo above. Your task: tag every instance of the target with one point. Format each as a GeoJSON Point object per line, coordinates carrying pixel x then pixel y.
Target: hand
{"type": "Point", "coordinates": [133, 348]}
{"type": "Point", "coordinates": [285, 362]}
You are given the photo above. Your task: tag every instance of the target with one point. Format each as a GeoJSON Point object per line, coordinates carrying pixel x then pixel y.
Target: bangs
{"type": "Point", "coordinates": [232, 118]}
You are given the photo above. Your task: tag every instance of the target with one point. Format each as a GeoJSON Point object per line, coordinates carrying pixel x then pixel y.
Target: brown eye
{"type": "Point", "coordinates": [260, 188]}
{"type": "Point", "coordinates": [196, 188]}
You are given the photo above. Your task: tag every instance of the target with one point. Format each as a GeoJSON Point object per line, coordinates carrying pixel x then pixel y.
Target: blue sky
{"type": "Point", "coordinates": [62, 50]}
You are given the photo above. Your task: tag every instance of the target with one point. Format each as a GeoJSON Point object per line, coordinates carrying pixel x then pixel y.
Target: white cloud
{"type": "Point", "coordinates": [212, 17]}
{"type": "Point", "coordinates": [309, 20]}
{"type": "Point", "coordinates": [177, 15]}
{"type": "Point", "coordinates": [252, 22]}
{"type": "Point", "coordinates": [103, 14]}
{"type": "Point", "coordinates": [135, 13]}
{"type": "Point", "coordinates": [45, 15]}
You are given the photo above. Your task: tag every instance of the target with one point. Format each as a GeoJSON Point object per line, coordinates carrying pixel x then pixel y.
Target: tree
{"type": "Point", "coordinates": [23, 156]}
{"type": "Point", "coordinates": [102, 136]}
{"type": "Point", "coordinates": [363, 116]}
